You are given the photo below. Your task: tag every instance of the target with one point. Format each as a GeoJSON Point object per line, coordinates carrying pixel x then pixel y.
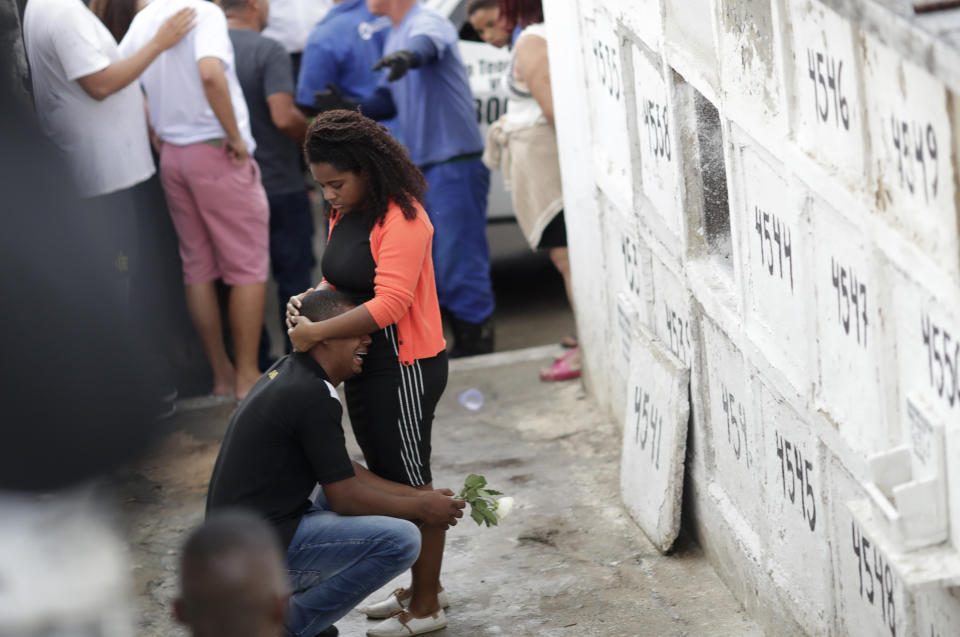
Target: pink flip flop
{"type": "Point", "coordinates": [561, 369]}
{"type": "Point", "coordinates": [566, 354]}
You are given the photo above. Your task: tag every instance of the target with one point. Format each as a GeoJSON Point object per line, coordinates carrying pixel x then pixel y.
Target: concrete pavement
{"type": "Point", "coordinates": [569, 561]}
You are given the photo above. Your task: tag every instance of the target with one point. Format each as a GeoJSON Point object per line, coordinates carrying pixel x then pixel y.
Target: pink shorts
{"type": "Point", "coordinates": [220, 212]}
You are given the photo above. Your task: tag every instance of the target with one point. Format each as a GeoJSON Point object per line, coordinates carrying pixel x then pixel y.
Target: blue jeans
{"type": "Point", "coordinates": [456, 203]}
{"type": "Point", "coordinates": [334, 561]}
{"type": "Point", "coordinates": [291, 245]}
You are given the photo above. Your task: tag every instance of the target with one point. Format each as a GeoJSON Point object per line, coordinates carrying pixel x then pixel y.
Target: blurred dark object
{"type": "Point", "coordinates": [468, 33]}
{"type": "Point", "coordinates": [332, 99]}
{"type": "Point", "coordinates": [74, 384]}
{"type": "Point", "coordinates": [14, 74]}
{"type": "Point", "coordinates": [936, 5]}
{"type": "Point", "coordinates": [116, 15]}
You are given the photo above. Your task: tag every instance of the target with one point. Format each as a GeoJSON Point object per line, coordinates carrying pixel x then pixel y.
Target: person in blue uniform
{"type": "Point", "coordinates": [341, 50]}
{"type": "Point", "coordinates": [424, 83]}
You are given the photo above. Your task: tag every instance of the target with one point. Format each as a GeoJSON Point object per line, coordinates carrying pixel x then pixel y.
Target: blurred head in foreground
{"type": "Point", "coordinates": [232, 578]}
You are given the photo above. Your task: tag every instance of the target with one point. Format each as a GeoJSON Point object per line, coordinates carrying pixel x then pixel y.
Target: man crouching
{"type": "Point", "coordinates": [285, 437]}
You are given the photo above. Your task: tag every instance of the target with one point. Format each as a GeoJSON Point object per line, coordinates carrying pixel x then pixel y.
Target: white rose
{"type": "Point", "coordinates": [504, 507]}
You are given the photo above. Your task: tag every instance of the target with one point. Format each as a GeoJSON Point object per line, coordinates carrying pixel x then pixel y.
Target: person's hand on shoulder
{"type": "Point", "coordinates": [439, 509]}
{"type": "Point", "coordinates": [174, 28]}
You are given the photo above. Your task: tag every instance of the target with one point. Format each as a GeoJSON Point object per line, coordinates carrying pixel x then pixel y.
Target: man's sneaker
{"type": "Point", "coordinates": [392, 604]}
{"type": "Point", "coordinates": [403, 624]}
{"type": "Point", "coordinates": [330, 631]}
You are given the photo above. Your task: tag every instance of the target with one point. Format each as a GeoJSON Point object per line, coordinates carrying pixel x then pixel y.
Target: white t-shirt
{"type": "Point", "coordinates": [179, 111]}
{"type": "Point", "coordinates": [105, 142]}
{"type": "Point", "coordinates": [291, 21]}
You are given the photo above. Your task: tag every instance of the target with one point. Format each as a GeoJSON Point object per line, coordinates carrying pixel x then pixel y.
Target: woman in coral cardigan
{"type": "Point", "coordinates": [379, 252]}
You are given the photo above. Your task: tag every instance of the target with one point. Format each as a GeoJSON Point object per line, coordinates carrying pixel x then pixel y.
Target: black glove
{"type": "Point", "coordinates": [332, 99]}
{"type": "Point", "coordinates": [399, 62]}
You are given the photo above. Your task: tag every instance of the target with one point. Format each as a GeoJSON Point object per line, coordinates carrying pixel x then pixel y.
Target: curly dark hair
{"type": "Point", "coordinates": [351, 142]}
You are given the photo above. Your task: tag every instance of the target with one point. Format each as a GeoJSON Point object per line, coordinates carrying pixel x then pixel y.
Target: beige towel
{"type": "Point", "coordinates": [528, 159]}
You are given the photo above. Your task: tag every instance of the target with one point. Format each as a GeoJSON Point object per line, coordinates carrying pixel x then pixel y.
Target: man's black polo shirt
{"type": "Point", "coordinates": [285, 437]}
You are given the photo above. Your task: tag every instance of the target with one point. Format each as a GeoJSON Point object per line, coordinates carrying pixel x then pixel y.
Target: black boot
{"type": "Point", "coordinates": [329, 632]}
{"type": "Point", "coordinates": [470, 339]}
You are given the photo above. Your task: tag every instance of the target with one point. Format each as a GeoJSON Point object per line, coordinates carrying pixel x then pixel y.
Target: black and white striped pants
{"type": "Point", "coordinates": [391, 409]}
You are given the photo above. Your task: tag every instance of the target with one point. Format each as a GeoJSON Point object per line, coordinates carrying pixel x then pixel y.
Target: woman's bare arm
{"type": "Point", "coordinates": [532, 67]}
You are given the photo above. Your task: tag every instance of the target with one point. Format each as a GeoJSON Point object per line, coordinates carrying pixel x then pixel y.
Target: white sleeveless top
{"type": "Point", "coordinates": [523, 110]}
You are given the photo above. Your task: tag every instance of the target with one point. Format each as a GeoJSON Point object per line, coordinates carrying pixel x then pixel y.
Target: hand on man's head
{"type": "Point", "coordinates": [293, 307]}
{"type": "Point", "coordinates": [299, 339]}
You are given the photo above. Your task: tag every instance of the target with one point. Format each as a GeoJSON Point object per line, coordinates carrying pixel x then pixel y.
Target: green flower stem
{"type": "Point", "coordinates": [482, 504]}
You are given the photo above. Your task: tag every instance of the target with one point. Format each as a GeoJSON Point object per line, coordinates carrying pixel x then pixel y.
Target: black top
{"type": "Point", "coordinates": [347, 261]}
{"type": "Point", "coordinates": [285, 437]}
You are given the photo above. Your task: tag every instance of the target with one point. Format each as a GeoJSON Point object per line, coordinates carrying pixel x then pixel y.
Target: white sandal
{"type": "Point", "coordinates": [403, 624]}
{"type": "Point", "coordinates": [393, 603]}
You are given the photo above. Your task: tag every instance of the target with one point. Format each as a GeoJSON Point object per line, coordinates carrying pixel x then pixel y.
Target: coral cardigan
{"type": "Point", "coordinates": [404, 287]}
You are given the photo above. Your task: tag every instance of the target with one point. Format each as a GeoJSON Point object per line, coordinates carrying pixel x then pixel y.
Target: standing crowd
{"type": "Point", "coordinates": [232, 118]}
{"type": "Point", "coordinates": [226, 115]}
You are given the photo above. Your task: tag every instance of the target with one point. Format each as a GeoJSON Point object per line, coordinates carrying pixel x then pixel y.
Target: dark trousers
{"type": "Point", "coordinates": [391, 409]}
{"type": "Point", "coordinates": [114, 217]}
{"type": "Point", "coordinates": [139, 259]}
{"type": "Point", "coordinates": [456, 203]}
{"type": "Point", "coordinates": [291, 245]}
